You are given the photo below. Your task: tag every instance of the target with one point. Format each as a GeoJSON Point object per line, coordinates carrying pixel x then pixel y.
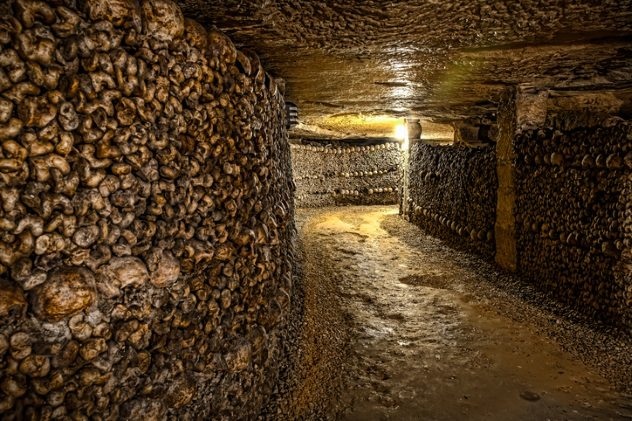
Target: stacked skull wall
{"type": "Point", "coordinates": [332, 175]}
{"type": "Point", "coordinates": [452, 194]}
{"type": "Point", "coordinates": [573, 215]}
{"type": "Point", "coordinates": [146, 216]}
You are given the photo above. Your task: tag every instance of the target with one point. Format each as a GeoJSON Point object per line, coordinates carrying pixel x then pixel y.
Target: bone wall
{"type": "Point", "coordinates": [327, 174]}
{"type": "Point", "coordinates": [146, 216]}
{"type": "Point", "coordinates": [452, 194]}
{"type": "Point", "coordinates": [573, 215]}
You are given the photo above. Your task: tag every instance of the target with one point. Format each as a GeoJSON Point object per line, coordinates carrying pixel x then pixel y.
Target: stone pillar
{"type": "Point", "coordinates": [405, 170]}
{"type": "Point", "coordinates": [413, 130]}
{"type": "Point", "coordinates": [520, 108]}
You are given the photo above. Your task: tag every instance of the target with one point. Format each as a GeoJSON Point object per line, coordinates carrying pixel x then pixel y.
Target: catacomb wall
{"type": "Point", "coordinates": [573, 220]}
{"type": "Point", "coordinates": [146, 216]}
{"type": "Point", "coordinates": [329, 174]}
{"type": "Point", "coordinates": [452, 193]}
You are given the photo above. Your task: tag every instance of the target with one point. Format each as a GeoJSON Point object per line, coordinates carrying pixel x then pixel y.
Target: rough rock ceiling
{"type": "Point", "coordinates": [438, 59]}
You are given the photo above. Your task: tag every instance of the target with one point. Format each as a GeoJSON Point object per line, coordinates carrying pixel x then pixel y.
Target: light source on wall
{"type": "Point", "coordinates": [401, 133]}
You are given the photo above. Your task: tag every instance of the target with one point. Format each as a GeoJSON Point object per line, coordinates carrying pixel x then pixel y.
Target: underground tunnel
{"type": "Point", "coordinates": [280, 210]}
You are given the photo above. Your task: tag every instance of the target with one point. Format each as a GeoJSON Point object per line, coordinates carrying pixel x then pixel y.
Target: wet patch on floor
{"type": "Point", "coordinates": [428, 280]}
{"type": "Point", "coordinates": [427, 339]}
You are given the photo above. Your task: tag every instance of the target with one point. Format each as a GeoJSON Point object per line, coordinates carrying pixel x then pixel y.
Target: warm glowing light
{"type": "Point", "coordinates": [401, 132]}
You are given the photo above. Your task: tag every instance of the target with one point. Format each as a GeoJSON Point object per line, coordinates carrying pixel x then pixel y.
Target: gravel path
{"type": "Point", "coordinates": [396, 325]}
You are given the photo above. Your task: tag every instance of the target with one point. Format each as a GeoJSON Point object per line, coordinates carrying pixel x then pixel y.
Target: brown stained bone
{"type": "Point", "coordinates": [11, 128]}
{"type": "Point", "coordinates": [31, 11]}
{"type": "Point", "coordinates": [119, 12]}
{"type": "Point", "coordinates": [180, 393]}
{"type": "Point", "coordinates": [121, 272]}
{"type": "Point", "coordinates": [162, 20]}
{"type": "Point", "coordinates": [166, 272]}
{"type": "Point", "coordinates": [66, 292]}
{"type": "Point", "coordinates": [243, 63]}
{"type": "Point", "coordinates": [11, 299]}
{"type": "Point", "coordinates": [33, 47]}
{"type": "Point", "coordinates": [6, 110]}
{"type": "Point", "coordinates": [67, 22]}
{"type": "Point", "coordinates": [35, 366]}
{"type": "Point", "coordinates": [195, 34]}
{"type": "Point", "coordinates": [20, 343]}
{"type": "Point", "coordinates": [36, 111]}
{"type": "Point", "coordinates": [221, 46]}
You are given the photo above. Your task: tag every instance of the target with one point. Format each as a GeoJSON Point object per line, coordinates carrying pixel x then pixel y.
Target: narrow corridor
{"type": "Point", "coordinates": [416, 330]}
{"type": "Point", "coordinates": [169, 246]}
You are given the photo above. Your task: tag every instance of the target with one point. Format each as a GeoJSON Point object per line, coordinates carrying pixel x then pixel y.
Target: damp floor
{"type": "Point", "coordinates": [398, 326]}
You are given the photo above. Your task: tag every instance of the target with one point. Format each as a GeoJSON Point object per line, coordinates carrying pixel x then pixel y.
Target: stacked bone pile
{"type": "Point", "coordinates": [145, 216]}
{"type": "Point", "coordinates": [452, 194]}
{"type": "Point", "coordinates": [329, 174]}
{"type": "Point", "coordinates": [571, 201]}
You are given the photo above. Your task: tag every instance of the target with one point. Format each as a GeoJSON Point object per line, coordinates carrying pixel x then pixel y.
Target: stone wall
{"type": "Point", "coordinates": [329, 174]}
{"type": "Point", "coordinates": [452, 194]}
{"type": "Point", "coordinates": [573, 214]}
{"type": "Point", "coordinates": [146, 216]}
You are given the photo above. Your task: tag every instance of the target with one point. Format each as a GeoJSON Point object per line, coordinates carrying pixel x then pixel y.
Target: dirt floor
{"type": "Point", "coordinates": [396, 325]}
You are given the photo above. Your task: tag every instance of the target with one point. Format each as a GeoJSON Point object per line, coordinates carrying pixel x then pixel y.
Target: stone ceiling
{"type": "Point", "coordinates": [437, 59]}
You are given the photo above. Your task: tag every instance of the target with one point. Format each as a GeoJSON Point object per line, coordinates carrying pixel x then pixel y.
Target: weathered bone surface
{"type": "Point", "coordinates": [452, 194]}
{"type": "Point", "coordinates": [329, 174]}
{"type": "Point", "coordinates": [573, 220]}
{"type": "Point", "coordinates": [146, 216]}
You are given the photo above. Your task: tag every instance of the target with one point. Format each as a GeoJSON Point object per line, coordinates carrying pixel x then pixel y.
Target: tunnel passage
{"type": "Point", "coordinates": [152, 155]}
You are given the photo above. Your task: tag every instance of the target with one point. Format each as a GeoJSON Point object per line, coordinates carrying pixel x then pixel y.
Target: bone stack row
{"type": "Point", "coordinates": [473, 234]}
{"type": "Point", "coordinates": [343, 150]}
{"type": "Point", "coordinates": [327, 174]}
{"type": "Point", "coordinates": [145, 216]}
{"type": "Point", "coordinates": [452, 194]}
{"type": "Point", "coordinates": [574, 228]}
